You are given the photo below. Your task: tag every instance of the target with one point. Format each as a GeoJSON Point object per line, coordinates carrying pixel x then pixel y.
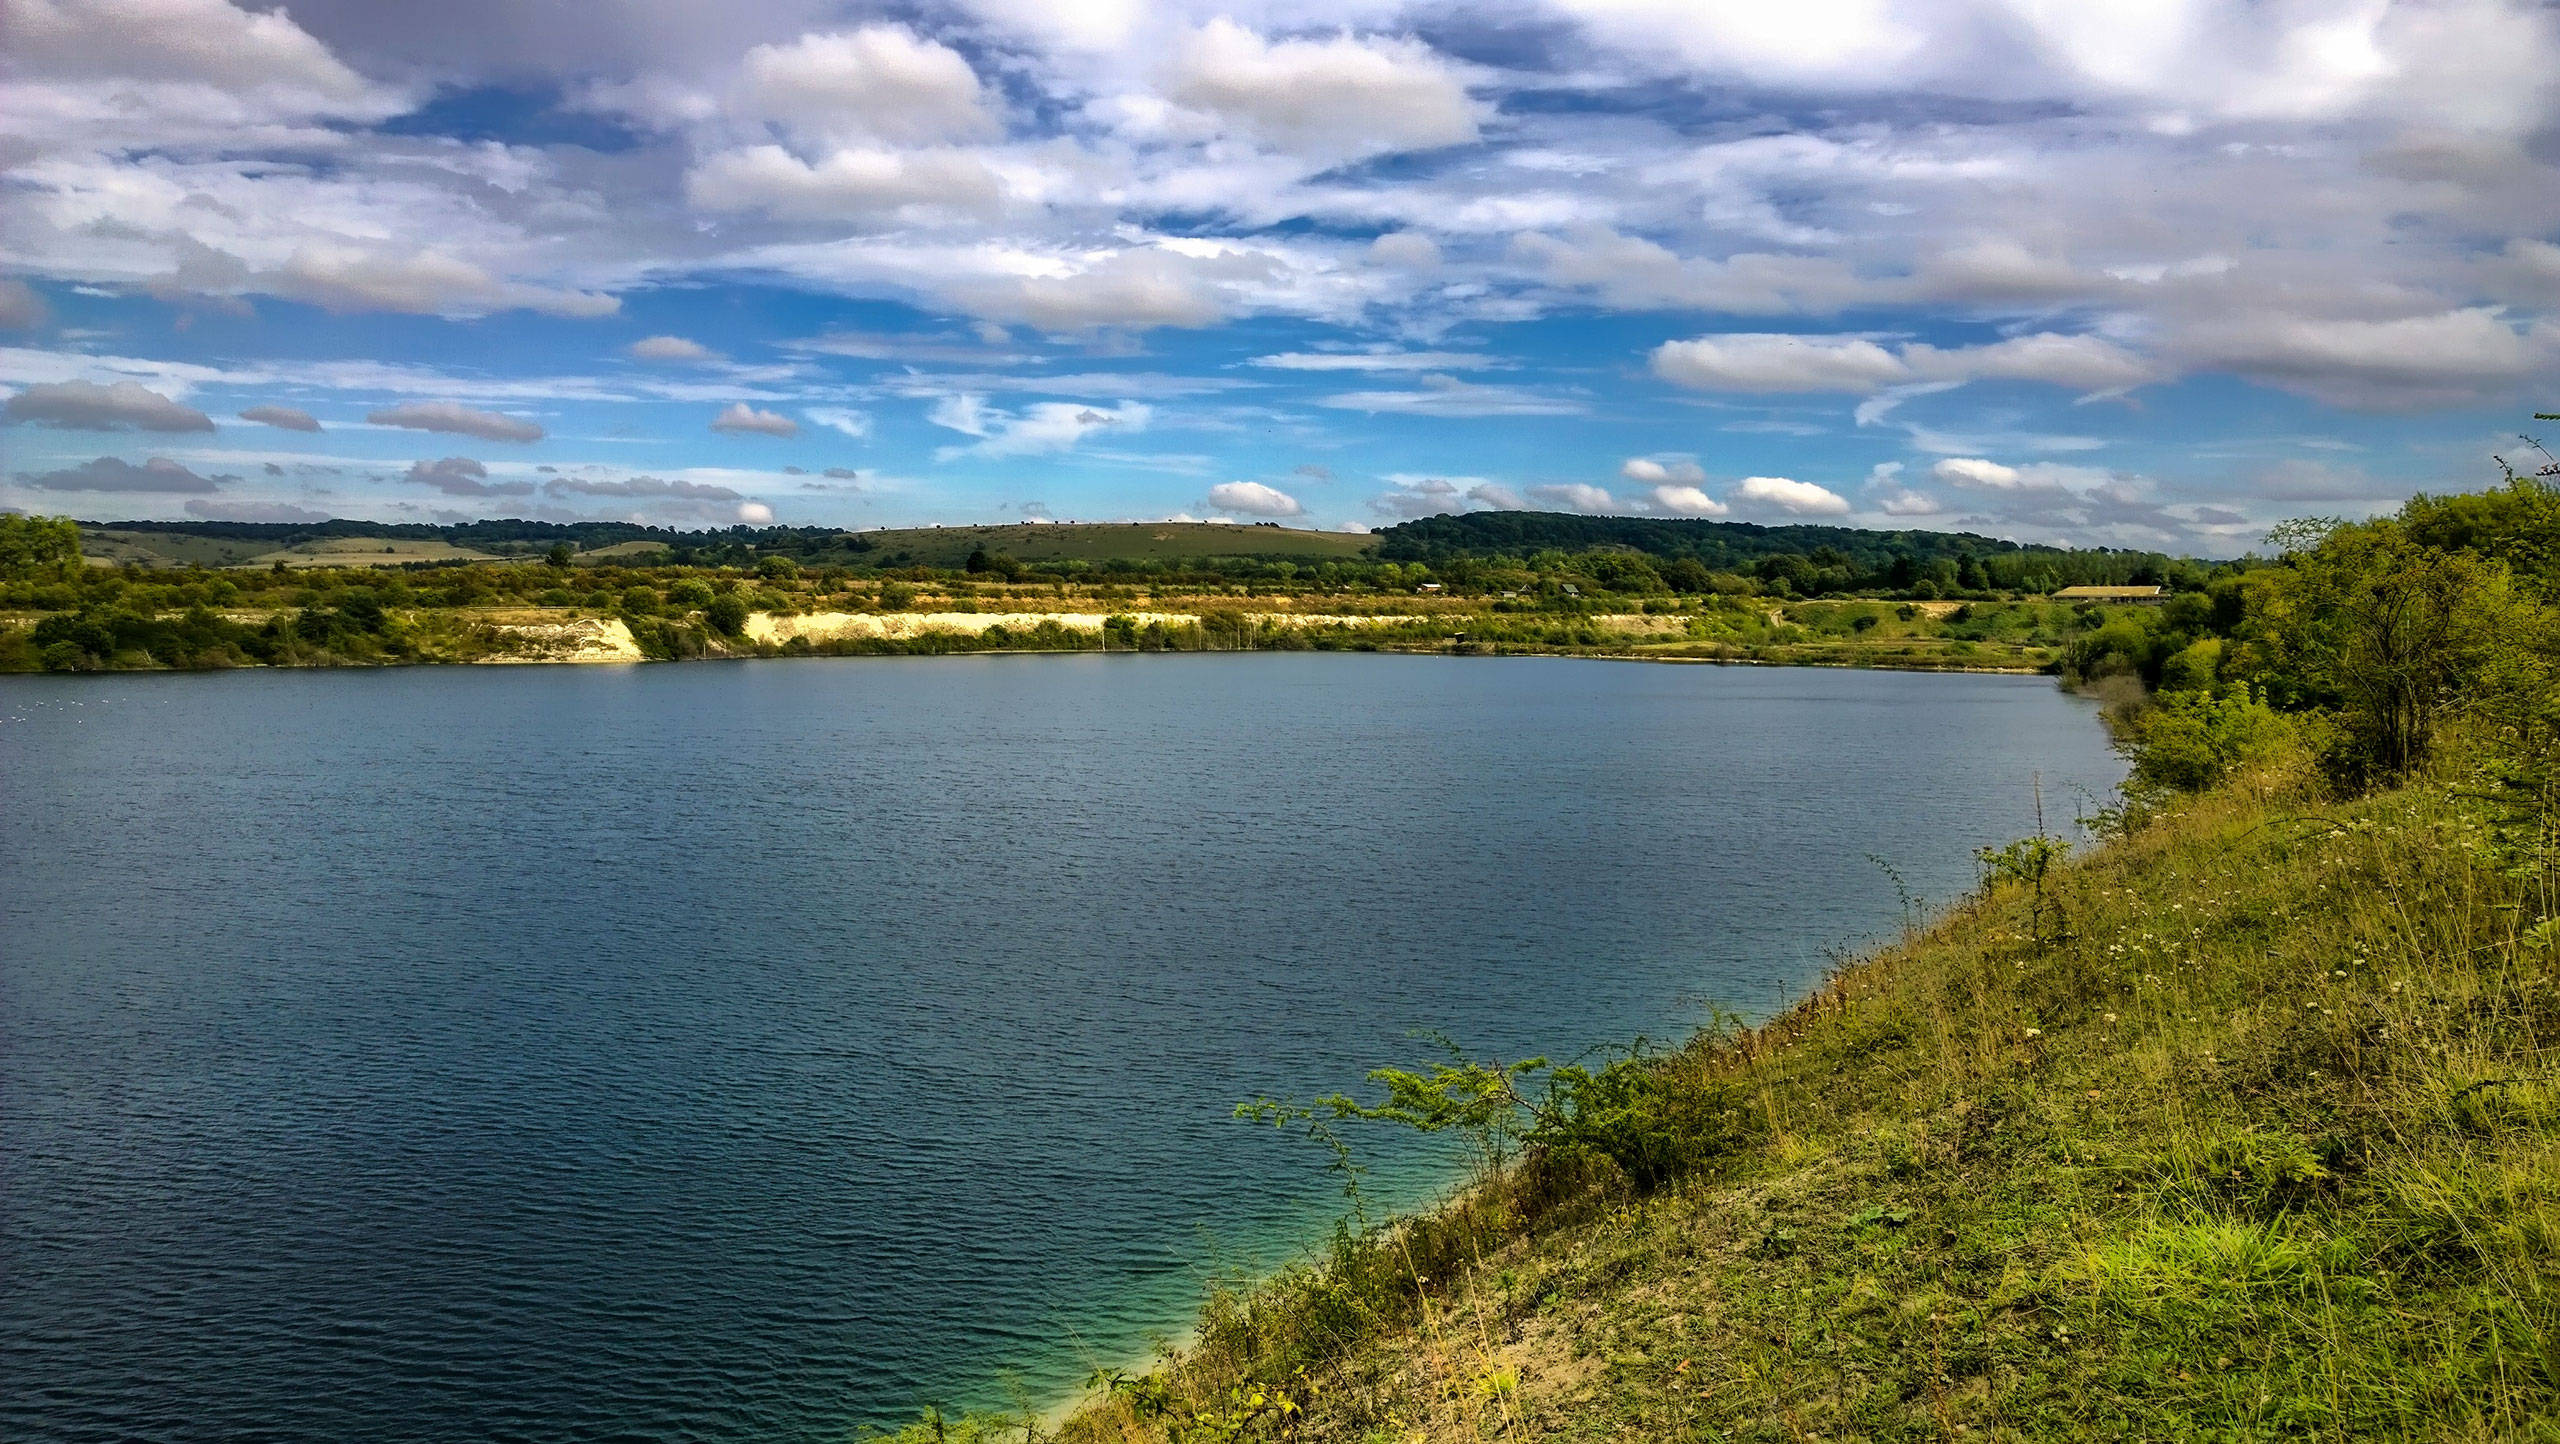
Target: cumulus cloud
{"type": "Point", "coordinates": [1041, 427]}
{"type": "Point", "coordinates": [1650, 472]}
{"type": "Point", "coordinates": [1252, 498]}
{"type": "Point", "coordinates": [878, 83]}
{"type": "Point", "coordinates": [345, 277]}
{"type": "Point", "coordinates": [755, 513]}
{"type": "Point", "coordinates": [744, 420]}
{"type": "Point", "coordinates": [462, 476]}
{"type": "Point", "coordinates": [1685, 501]}
{"type": "Point", "coordinates": [1798, 498]}
{"type": "Point", "coordinates": [289, 418]}
{"type": "Point", "coordinates": [1576, 496]}
{"type": "Point", "coordinates": [1766, 362]}
{"type": "Point", "coordinates": [1903, 501]}
{"type": "Point", "coordinates": [1347, 95]}
{"type": "Point", "coordinates": [457, 420]}
{"type": "Point", "coordinates": [671, 348]}
{"type": "Point", "coordinates": [1771, 362]}
{"type": "Point", "coordinates": [88, 406]}
{"type": "Point", "coordinates": [204, 41]}
{"type": "Point", "coordinates": [864, 187]}
{"type": "Point", "coordinates": [159, 476]}
{"type": "Point", "coordinates": [1419, 496]}
{"type": "Point", "coordinates": [2404, 363]}
{"type": "Point", "coordinates": [1135, 287]}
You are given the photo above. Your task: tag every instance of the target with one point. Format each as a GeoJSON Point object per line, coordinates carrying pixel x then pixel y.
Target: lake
{"type": "Point", "coordinates": [751, 1051]}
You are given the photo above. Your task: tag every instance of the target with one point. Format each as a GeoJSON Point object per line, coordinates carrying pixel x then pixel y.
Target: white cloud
{"type": "Point", "coordinates": [744, 420]}
{"type": "Point", "coordinates": [878, 83]}
{"type": "Point", "coordinates": [1448, 396]}
{"type": "Point", "coordinates": [457, 420]}
{"type": "Point", "coordinates": [1344, 96]}
{"type": "Point", "coordinates": [2081, 363]}
{"type": "Point", "coordinates": [2401, 363]}
{"type": "Point", "coordinates": [1254, 499]}
{"type": "Point", "coordinates": [88, 406]}
{"type": "Point", "coordinates": [671, 348]}
{"type": "Point", "coordinates": [856, 424]}
{"type": "Point", "coordinates": [1650, 472]}
{"type": "Point", "coordinates": [1042, 427]}
{"type": "Point", "coordinates": [1576, 496]}
{"type": "Point", "coordinates": [1137, 287]}
{"type": "Point", "coordinates": [1973, 471]}
{"type": "Point", "coordinates": [1405, 251]}
{"type": "Point", "coordinates": [353, 278]}
{"type": "Point", "coordinates": [1767, 362]}
{"type": "Point", "coordinates": [1800, 498]}
{"type": "Point", "coordinates": [1375, 361]}
{"type": "Point", "coordinates": [205, 41]}
{"type": "Point", "coordinates": [867, 187]}
{"type": "Point", "coordinates": [1686, 501]}
{"type": "Point", "coordinates": [1420, 496]}
{"type": "Point", "coordinates": [1903, 501]}
{"type": "Point", "coordinates": [755, 513]}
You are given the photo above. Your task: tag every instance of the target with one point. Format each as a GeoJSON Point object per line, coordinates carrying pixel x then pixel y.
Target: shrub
{"type": "Point", "coordinates": [727, 614]}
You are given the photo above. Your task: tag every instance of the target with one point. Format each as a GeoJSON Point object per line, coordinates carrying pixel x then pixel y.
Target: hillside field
{"type": "Point", "coordinates": [949, 546]}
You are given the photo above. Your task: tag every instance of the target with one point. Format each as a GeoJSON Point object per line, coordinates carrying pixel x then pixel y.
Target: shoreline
{"type": "Point", "coordinates": [510, 638]}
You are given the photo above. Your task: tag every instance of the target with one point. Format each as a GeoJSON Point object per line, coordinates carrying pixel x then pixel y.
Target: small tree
{"type": "Point", "coordinates": [727, 614]}
{"type": "Point", "coordinates": [33, 544]}
{"type": "Point", "coordinates": [559, 556]}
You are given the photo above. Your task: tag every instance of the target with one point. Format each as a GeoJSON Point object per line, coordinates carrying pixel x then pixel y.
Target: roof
{"type": "Point", "coordinates": [2107, 594]}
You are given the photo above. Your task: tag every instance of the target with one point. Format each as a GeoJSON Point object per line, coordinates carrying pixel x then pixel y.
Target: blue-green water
{"type": "Point", "coordinates": [745, 1052]}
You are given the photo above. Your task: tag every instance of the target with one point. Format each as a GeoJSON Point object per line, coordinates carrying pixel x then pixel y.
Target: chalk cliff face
{"type": "Point", "coordinates": [600, 640]}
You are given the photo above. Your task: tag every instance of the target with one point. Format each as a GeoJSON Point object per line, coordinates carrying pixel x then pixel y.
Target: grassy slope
{"type": "Point", "coordinates": [2256, 1142]}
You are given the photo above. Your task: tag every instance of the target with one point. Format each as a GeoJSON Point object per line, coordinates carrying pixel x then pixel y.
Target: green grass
{"type": "Point", "coordinates": [165, 549]}
{"type": "Point", "coordinates": [2246, 1128]}
{"type": "Point", "coordinates": [1135, 541]}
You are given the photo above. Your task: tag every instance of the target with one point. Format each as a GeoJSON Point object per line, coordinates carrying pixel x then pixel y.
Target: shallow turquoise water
{"type": "Point", "coordinates": [745, 1052]}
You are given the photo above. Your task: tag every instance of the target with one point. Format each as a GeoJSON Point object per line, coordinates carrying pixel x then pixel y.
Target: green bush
{"type": "Point", "coordinates": [727, 614]}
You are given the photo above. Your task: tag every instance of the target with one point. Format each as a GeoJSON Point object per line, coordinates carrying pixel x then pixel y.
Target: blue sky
{"type": "Point", "coordinates": [2152, 274]}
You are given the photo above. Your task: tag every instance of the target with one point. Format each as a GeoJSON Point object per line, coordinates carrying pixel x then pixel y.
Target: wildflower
{"type": "Point", "coordinates": [2035, 1032]}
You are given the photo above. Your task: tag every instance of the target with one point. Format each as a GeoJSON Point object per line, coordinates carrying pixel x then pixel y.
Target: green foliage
{"type": "Point", "coordinates": [2189, 740]}
{"type": "Point", "coordinates": [727, 614]}
{"type": "Point", "coordinates": [32, 545]}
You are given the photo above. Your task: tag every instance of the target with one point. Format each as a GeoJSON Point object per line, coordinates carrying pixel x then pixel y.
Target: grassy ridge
{"type": "Point", "coordinates": [2241, 1127]}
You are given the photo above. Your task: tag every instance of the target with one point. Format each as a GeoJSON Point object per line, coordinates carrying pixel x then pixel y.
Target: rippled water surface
{"type": "Point", "coordinates": [745, 1052]}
